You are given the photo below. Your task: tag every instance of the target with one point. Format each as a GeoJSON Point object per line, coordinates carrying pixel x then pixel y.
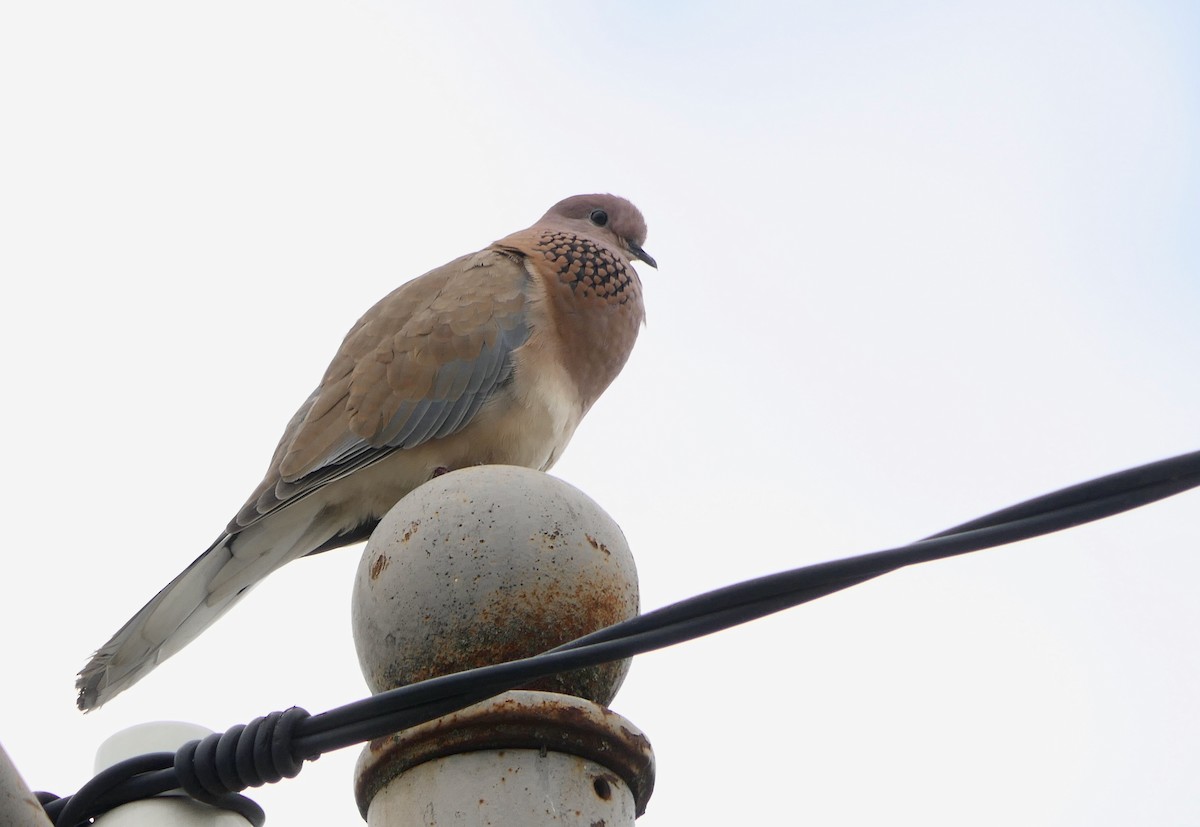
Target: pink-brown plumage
{"type": "Point", "coordinates": [494, 357]}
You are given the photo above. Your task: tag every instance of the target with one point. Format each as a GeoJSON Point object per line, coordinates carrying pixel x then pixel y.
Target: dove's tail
{"type": "Point", "coordinates": [201, 593]}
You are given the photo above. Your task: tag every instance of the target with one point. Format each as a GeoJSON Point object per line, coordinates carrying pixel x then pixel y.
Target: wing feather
{"type": "Point", "coordinates": [417, 366]}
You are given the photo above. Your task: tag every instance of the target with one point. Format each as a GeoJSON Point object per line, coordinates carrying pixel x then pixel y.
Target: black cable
{"type": "Point", "coordinates": [78, 808]}
{"type": "Point", "coordinates": [276, 746]}
{"type": "Point", "coordinates": [740, 603]}
{"type": "Point", "coordinates": [134, 779]}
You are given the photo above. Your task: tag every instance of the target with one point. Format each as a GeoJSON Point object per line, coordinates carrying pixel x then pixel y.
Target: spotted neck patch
{"type": "Point", "coordinates": [587, 268]}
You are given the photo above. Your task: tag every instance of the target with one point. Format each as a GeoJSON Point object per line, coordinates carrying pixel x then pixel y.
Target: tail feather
{"type": "Point", "coordinates": [257, 553]}
{"type": "Point", "coordinates": [195, 599]}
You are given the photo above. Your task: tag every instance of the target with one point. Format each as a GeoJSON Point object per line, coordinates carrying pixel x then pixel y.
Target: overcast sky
{"type": "Point", "coordinates": [919, 261]}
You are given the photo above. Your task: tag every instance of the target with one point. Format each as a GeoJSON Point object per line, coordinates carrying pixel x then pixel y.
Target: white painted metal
{"type": "Point", "coordinates": [504, 787]}
{"type": "Point", "coordinates": [18, 807]}
{"type": "Point", "coordinates": [170, 810]}
{"type": "Point", "coordinates": [480, 566]}
{"type": "Point", "coordinates": [488, 564]}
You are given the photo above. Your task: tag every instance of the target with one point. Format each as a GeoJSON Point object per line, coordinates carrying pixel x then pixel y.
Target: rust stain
{"type": "Point", "coordinates": [596, 544]}
{"type": "Point", "coordinates": [522, 622]}
{"type": "Point", "coordinates": [511, 723]}
{"type": "Point", "coordinates": [410, 531]}
{"type": "Point", "coordinates": [377, 567]}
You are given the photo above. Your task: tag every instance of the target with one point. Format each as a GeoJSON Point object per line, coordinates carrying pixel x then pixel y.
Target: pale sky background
{"type": "Point", "coordinates": [918, 261]}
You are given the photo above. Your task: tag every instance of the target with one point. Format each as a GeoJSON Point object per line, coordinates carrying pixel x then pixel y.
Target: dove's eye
{"type": "Point", "coordinates": [599, 217]}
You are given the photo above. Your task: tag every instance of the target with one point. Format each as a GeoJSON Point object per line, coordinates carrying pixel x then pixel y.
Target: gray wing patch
{"type": "Point", "coordinates": [460, 390]}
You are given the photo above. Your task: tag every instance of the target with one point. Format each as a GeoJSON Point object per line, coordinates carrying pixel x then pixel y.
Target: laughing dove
{"type": "Point", "coordinates": [492, 358]}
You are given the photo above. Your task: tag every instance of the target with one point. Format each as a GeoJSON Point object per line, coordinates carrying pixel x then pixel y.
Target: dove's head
{"type": "Point", "coordinates": [605, 217]}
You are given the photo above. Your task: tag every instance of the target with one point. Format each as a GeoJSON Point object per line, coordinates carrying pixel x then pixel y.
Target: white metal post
{"type": "Point", "coordinates": [18, 807]}
{"type": "Point", "coordinates": [169, 810]}
{"type": "Point", "coordinates": [485, 565]}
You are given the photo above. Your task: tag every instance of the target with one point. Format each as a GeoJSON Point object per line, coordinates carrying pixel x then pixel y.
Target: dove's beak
{"type": "Point", "coordinates": [641, 255]}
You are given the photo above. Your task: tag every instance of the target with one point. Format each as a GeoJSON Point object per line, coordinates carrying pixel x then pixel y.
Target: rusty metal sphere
{"type": "Point", "coordinates": [489, 564]}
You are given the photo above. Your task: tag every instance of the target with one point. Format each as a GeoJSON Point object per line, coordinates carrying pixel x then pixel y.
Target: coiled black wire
{"type": "Point", "coordinates": [276, 746]}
